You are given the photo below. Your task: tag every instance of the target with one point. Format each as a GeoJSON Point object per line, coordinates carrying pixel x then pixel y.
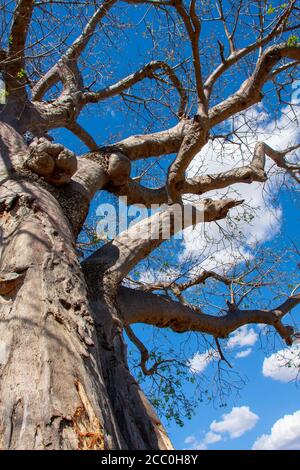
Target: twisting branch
{"type": "Point", "coordinates": [193, 142]}
{"type": "Point", "coordinates": [237, 55]}
{"type": "Point", "coordinates": [255, 171]}
{"type": "Point", "coordinates": [148, 71]}
{"type": "Point", "coordinates": [118, 257]}
{"type": "Point", "coordinates": [278, 157]}
{"type": "Point", "coordinates": [139, 194]}
{"type": "Point", "coordinates": [140, 307]}
{"type": "Point", "coordinates": [250, 91]}
{"type": "Point", "coordinates": [144, 353]}
{"type": "Point", "coordinates": [69, 76]}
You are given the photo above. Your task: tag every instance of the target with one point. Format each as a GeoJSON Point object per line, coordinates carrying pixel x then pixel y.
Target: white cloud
{"type": "Point", "coordinates": [219, 260]}
{"type": "Point", "coordinates": [212, 438]}
{"type": "Point", "coordinates": [283, 365]}
{"type": "Point", "coordinates": [252, 125]}
{"type": "Point", "coordinates": [199, 362]}
{"type": "Point", "coordinates": [244, 353]}
{"type": "Point", "coordinates": [243, 336]}
{"type": "Point", "coordinates": [154, 276]}
{"type": "Point", "coordinates": [189, 439]}
{"type": "Point", "coordinates": [284, 435]}
{"type": "Point", "coordinates": [236, 423]}
{"type": "Point", "coordinates": [196, 444]}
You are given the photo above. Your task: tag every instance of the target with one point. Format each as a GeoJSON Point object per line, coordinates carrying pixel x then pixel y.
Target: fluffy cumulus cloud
{"type": "Point", "coordinates": [233, 424]}
{"type": "Point", "coordinates": [199, 362]}
{"type": "Point", "coordinates": [215, 158]}
{"type": "Point", "coordinates": [196, 444]}
{"type": "Point", "coordinates": [242, 337]}
{"type": "Point", "coordinates": [244, 353]}
{"type": "Point", "coordinates": [284, 435]}
{"type": "Point", "coordinates": [152, 276]}
{"type": "Point", "coordinates": [283, 365]}
{"type": "Point", "coordinates": [236, 423]}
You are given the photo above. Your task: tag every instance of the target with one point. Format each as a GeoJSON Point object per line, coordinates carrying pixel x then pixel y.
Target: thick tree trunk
{"type": "Point", "coordinates": [63, 383]}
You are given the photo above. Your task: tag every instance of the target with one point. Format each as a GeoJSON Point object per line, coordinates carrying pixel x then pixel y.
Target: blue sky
{"type": "Point", "coordinates": [269, 399]}
{"type": "Point", "coordinates": [262, 401]}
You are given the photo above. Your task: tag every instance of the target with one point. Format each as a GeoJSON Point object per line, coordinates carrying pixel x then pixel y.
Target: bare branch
{"type": "Point", "coordinates": [144, 353]}
{"type": "Point", "coordinates": [221, 354]}
{"type": "Point", "coordinates": [118, 257]}
{"type": "Point", "coordinates": [19, 30]}
{"type": "Point", "coordinates": [284, 67]}
{"type": "Point", "coordinates": [193, 27]}
{"type": "Point", "coordinates": [234, 57]}
{"type": "Point", "coordinates": [193, 142]}
{"type": "Point", "coordinates": [200, 279]}
{"type": "Point", "coordinates": [83, 135]}
{"type": "Point", "coordinates": [250, 91]}
{"type": "Point", "coordinates": [152, 145]}
{"type": "Point", "coordinates": [140, 307]}
{"type": "Point", "coordinates": [222, 18]}
{"type": "Point", "coordinates": [255, 171]}
{"type": "Point", "coordinates": [139, 194]}
{"type": "Point", "coordinates": [146, 72]}
{"type": "Point", "coordinates": [74, 51]}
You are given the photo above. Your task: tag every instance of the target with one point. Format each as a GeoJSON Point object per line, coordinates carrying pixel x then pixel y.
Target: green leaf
{"type": "Point", "coordinates": [21, 73]}
{"type": "Point", "coordinates": [270, 10]}
{"type": "Point", "coordinates": [293, 40]}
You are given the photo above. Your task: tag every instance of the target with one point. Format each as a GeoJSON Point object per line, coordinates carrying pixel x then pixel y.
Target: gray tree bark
{"type": "Point", "coordinates": [64, 383]}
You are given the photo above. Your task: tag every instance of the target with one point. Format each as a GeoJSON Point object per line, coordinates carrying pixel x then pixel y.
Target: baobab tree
{"type": "Point", "coordinates": [65, 382]}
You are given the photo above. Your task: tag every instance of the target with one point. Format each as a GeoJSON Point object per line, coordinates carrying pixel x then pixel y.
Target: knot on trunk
{"type": "Point", "coordinates": [114, 163]}
{"type": "Point", "coordinates": [52, 161]}
{"type": "Point", "coordinates": [119, 167]}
